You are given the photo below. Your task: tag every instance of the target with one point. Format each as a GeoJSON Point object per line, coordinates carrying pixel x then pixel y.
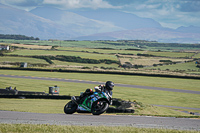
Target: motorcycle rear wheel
{"type": "Point", "coordinates": [70, 107]}
{"type": "Point", "coordinates": [99, 107]}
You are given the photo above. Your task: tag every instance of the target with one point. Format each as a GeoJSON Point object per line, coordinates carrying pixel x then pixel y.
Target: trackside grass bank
{"type": "Point", "coordinates": [174, 83]}
{"type": "Point", "coordinates": [125, 93]}
{"type": "Point", "coordinates": [145, 96]}
{"type": "Point", "coordinates": [57, 106]}
{"type": "Point", "coordinates": [29, 128]}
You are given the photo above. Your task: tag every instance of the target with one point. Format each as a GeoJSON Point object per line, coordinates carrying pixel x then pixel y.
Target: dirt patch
{"type": "Point", "coordinates": [148, 61]}
{"type": "Point", "coordinates": [65, 66]}
{"type": "Point", "coordinates": [31, 46]}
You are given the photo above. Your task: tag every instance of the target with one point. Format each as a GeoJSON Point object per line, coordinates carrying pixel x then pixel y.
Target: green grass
{"type": "Point", "coordinates": [147, 97]}
{"type": "Point", "coordinates": [174, 83]}
{"type": "Point", "coordinates": [148, 61]}
{"type": "Point", "coordinates": [34, 105]}
{"type": "Point", "coordinates": [80, 44]}
{"type": "Point", "coordinates": [49, 106]}
{"type": "Point", "coordinates": [189, 66]}
{"type": "Point", "coordinates": [56, 107]}
{"type": "Point", "coordinates": [91, 44]}
{"type": "Point", "coordinates": [74, 65]}
{"type": "Point", "coordinates": [197, 55]}
{"type": "Point", "coordinates": [171, 54]}
{"type": "Point", "coordinates": [30, 128]}
{"type": "Point", "coordinates": [66, 88]}
{"type": "Point", "coordinates": [142, 95]}
{"type": "Point", "coordinates": [106, 51]}
{"type": "Point", "coordinates": [66, 53]}
{"type": "Point", "coordinates": [149, 110]}
{"type": "Point", "coordinates": [22, 59]}
{"type": "Point", "coordinates": [170, 49]}
{"type": "Point", "coordinates": [86, 49]}
{"type": "Point", "coordinates": [158, 97]}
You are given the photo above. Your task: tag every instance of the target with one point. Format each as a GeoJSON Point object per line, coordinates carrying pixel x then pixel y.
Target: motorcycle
{"type": "Point", "coordinates": [97, 103]}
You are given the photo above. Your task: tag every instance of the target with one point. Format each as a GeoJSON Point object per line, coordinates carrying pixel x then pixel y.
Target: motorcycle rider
{"type": "Point", "coordinates": [107, 88]}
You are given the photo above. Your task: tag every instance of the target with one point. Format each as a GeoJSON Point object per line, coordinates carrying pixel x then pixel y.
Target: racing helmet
{"type": "Point", "coordinates": [109, 85]}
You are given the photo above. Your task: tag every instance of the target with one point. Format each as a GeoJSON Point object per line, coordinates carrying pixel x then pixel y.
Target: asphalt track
{"type": "Point", "coordinates": [12, 117]}
{"type": "Point", "coordinates": [96, 82]}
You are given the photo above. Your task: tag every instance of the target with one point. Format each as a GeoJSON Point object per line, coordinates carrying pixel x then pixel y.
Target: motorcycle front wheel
{"type": "Point", "coordinates": [70, 107]}
{"type": "Point", "coordinates": [99, 107]}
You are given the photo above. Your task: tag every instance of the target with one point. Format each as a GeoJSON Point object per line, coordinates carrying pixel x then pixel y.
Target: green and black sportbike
{"type": "Point", "coordinates": [97, 103]}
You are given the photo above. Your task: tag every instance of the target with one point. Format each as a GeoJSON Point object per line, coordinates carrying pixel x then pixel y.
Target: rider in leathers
{"type": "Point", "coordinates": [107, 88]}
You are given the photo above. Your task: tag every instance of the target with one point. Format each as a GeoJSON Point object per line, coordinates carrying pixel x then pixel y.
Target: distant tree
{"type": "Point", "coordinates": [17, 37]}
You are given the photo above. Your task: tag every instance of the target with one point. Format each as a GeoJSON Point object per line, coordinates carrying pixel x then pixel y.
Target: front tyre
{"type": "Point", "coordinates": [99, 107]}
{"type": "Point", "coordinates": [70, 107]}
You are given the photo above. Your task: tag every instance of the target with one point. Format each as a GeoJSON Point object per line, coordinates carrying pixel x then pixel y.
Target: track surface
{"type": "Point", "coordinates": [105, 120]}
{"type": "Point", "coordinates": [95, 82]}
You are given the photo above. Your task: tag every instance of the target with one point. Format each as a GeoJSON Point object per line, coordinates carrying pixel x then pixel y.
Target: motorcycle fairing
{"type": "Point", "coordinates": [87, 103]}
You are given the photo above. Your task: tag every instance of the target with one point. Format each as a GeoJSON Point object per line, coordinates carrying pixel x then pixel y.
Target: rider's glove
{"type": "Point", "coordinates": [97, 89]}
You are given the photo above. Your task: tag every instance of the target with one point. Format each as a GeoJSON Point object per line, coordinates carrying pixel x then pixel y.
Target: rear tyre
{"type": "Point", "coordinates": [70, 107]}
{"type": "Point", "coordinates": [99, 107]}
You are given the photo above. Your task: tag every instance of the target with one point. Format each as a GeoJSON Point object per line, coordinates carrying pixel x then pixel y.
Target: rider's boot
{"type": "Point", "coordinates": [78, 100]}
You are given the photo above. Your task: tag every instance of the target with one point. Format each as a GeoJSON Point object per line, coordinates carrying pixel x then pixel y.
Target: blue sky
{"type": "Point", "coordinates": [169, 13]}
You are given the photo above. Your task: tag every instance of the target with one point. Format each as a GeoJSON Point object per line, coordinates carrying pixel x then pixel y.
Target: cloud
{"type": "Point", "coordinates": [71, 4]}
{"type": "Point", "coordinates": [22, 3]}
{"type": "Point", "coordinates": [65, 4]}
{"type": "Point", "coordinates": [190, 6]}
{"type": "Point", "coordinates": [120, 2]}
{"type": "Point", "coordinates": [169, 13]}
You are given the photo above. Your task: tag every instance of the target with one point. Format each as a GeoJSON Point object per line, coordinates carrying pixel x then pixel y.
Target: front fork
{"type": "Point", "coordinates": [73, 98]}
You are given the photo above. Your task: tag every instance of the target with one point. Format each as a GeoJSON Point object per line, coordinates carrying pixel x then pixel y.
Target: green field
{"type": "Point", "coordinates": [122, 51]}
{"type": "Point", "coordinates": [174, 83]}
{"type": "Point", "coordinates": [134, 53]}
{"type": "Point", "coordinates": [135, 60]}
{"type": "Point", "coordinates": [147, 97]}
{"type": "Point", "coordinates": [142, 95]}
{"type": "Point", "coordinates": [105, 51]}
{"type": "Point", "coordinates": [150, 61]}
{"type": "Point", "coordinates": [74, 65]}
{"type": "Point", "coordinates": [172, 54]}
{"type": "Point", "coordinates": [22, 59]}
{"type": "Point", "coordinates": [123, 44]}
{"type": "Point", "coordinates": [61, 43]}
{"type": "Point", "coordinates": [66, 53]}
{"type": "Point", "coordinates": [112, 50]}
{"type": "Point", "coordinates": [197, 55]}
{"type": "Point", "coordinates": [189, 66]}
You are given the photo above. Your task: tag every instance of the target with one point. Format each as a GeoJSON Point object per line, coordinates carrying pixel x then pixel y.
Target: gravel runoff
{"type": "Point", "coordinates": [12, 117]}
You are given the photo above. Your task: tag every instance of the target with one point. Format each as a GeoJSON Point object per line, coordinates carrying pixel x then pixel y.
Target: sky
{"type": "Point", "coordinates": [169, 13]}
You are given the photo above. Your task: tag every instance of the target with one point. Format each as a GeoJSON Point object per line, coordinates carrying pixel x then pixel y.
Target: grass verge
{"type": "Point", "coordinates": [125, 93]}
{"type": "Point", "coordinates": [175, 83]}
{"type": "Point", "coordinates": [28, 128]}
{"type": "Point", "coordinates": [57, 106]}
{"type": "Point", "coordinates": [147, 97]}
